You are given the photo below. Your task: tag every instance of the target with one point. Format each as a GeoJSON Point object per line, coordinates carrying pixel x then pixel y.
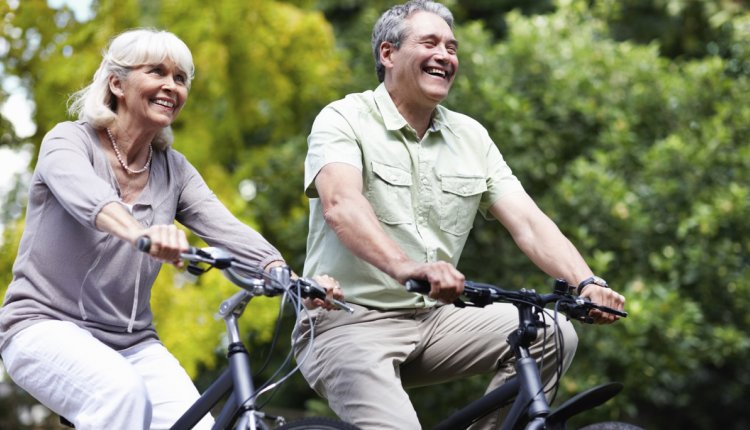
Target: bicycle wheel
{"type": "Point", "coordinates": [611, 425]}
{"type": "Point", "coordinates": [318, 424]}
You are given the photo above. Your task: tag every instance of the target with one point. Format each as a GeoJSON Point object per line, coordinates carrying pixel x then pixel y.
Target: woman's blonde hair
{"type": "Point", "coordinates": [133, 48]}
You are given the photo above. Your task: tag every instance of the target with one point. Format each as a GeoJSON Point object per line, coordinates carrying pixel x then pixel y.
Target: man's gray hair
{"type": "Point", "coordinates": [391, 26]}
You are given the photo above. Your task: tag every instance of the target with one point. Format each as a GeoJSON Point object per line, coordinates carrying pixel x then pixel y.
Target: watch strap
{"type": "Point", "coordinates": [592, 280]}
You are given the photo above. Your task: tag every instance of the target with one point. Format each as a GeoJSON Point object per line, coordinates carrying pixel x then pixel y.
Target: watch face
{"type": "Point", "coordinates": [599, 281]}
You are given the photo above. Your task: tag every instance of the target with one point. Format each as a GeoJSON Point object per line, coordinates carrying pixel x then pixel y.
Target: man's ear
{"type": "Point", "coordinates": [386, 53]}
{"type": "Point", "coordinates": [115, 86]}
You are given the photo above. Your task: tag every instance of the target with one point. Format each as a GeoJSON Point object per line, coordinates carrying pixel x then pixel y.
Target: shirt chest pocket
{"type": "Point", "coordinates": [389, 192]}
{"type": "Point", "coordinates": [460, 199]}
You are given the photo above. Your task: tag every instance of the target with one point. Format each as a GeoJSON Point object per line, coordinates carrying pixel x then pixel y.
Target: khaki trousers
{"type": "Point", "coordinates": [361, 362]}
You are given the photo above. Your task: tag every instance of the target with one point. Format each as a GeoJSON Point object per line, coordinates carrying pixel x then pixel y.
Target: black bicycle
{"type": "Point", "coordinates": [530, 409]}
{"type": "Point", "coordinates": [235, 385]}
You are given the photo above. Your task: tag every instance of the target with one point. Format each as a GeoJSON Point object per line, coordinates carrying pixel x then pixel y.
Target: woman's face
{"type": "Point", "coordinates": [152, 94]}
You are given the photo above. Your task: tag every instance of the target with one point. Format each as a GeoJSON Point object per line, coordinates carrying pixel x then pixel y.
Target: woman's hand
{"type": "Point", "coordinates": [167, 243]}
{"type": "Point", "coordinates": [333, 290]}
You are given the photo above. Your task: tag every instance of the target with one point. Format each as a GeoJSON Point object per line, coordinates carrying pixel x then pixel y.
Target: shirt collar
{"type": "Point", "coordinates": [392, 117]}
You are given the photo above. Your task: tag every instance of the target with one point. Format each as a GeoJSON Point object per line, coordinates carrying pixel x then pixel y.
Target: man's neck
{"type": "Point", "coordinates": [418, 116]}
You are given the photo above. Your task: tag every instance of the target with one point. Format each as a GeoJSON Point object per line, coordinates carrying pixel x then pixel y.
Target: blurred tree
{"type": "Point", "coordinates": [682, 28]}
{"type": "Point", "coordinates": [641, 162]}
{"type": "Point", "coordinates": [630, 133]}
{"type": "Point", "coordinates": [263, 69]}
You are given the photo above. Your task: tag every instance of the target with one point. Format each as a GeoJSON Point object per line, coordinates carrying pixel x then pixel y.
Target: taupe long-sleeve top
{"type": "Point", "coordinates": [68, 270]}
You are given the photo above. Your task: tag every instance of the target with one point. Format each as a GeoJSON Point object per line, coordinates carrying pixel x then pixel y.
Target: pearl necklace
{"type": "Point", "coordinates": [123, 163]}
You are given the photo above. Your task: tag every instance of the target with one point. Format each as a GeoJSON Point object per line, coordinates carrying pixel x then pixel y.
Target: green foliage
{"type": "Point", "coordinates": [640, 162]}
{"type": "Point", "coordinates": [264, 69]}
{"type": "Point", "coordinates": [11, 236]}
{"type": "Point", "coordinates": [683, 28]}
{"type": "Point", "coordinates": [629, 132]}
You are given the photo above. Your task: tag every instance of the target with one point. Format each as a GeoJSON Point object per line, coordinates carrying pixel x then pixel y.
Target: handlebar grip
{"type": "Point", "coordinates": [418, 286]}
{"type": "Point", "coordinates": [310, 288]}
{"type": "Point", "coordinates": [622, 314]}
{"type": "Point", "coordinates": [143, 243]}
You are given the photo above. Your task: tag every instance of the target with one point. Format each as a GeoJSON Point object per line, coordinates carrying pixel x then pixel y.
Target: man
{"type": "Point", "coordinates": [395, 181]}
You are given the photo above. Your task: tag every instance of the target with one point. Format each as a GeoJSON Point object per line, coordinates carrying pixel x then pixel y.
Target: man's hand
{"type": "Point", "coordinates": [333, 291]}
{"type": "Point", "coordinates": [604, 297]}
{"type": "Point", "coordinates": [446, 282]}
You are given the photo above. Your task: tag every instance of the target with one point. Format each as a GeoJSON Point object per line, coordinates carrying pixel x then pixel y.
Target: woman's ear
{"type": "Point", "coordinates": [115, 86]}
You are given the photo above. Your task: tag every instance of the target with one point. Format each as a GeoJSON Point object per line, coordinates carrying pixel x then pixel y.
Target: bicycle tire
{"type": "Point", "coordinates": [611, 425]}
{"type": "Point", "coordinates": [318, 424]}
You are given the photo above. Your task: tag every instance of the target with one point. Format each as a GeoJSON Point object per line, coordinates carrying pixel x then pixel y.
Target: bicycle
{"type": "Point", "coordinates": [235, 385]}
{"type": "Point", "coordinates": [529, 409]}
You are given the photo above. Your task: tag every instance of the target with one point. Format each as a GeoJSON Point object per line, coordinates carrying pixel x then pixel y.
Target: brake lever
{"type": "Point", "coordinates": [311, 288]}
{"type": "Point", "coordinates": [583, 305]}
{"type": "Point", "coordinates": [578, 310]}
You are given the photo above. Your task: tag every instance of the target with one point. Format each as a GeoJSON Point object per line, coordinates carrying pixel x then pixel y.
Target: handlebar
{"type": "Point", "coordinates": [478, 294]}
{"type": "Point", "coordinates": [275, 282]}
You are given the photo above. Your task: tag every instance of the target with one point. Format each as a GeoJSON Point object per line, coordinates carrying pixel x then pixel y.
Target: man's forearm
{"type": "Point", "coordinates": [357, 227]}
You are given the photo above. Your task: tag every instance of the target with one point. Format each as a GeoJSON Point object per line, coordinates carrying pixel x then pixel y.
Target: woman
{"type": "Point", "coordinates": [76, 327]}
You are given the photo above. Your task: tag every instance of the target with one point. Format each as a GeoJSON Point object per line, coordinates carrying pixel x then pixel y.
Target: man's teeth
{"type": "Point", "coordinates": [438, 72]}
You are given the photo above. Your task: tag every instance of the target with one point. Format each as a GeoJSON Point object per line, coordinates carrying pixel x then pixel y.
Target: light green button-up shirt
{"type": "Point", "coordinates": [425, 192]}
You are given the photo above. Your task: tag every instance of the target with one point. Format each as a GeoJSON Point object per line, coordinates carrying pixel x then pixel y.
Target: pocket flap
{"type": "Point", "coordinates": [463, 185]}
{"type": "Point", "coordinates": [392, 175]}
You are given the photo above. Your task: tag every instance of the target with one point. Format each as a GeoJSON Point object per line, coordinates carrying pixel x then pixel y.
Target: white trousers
{"type": "Point", "coordinates": [95, 387]}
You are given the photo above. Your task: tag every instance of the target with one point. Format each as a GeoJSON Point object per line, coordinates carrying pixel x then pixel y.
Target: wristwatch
{"type": "Point", "coordinates": [592, 280]}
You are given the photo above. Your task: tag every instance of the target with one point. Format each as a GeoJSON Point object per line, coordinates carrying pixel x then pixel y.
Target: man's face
{"type": "Point", "coordinates": [423, 68]}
